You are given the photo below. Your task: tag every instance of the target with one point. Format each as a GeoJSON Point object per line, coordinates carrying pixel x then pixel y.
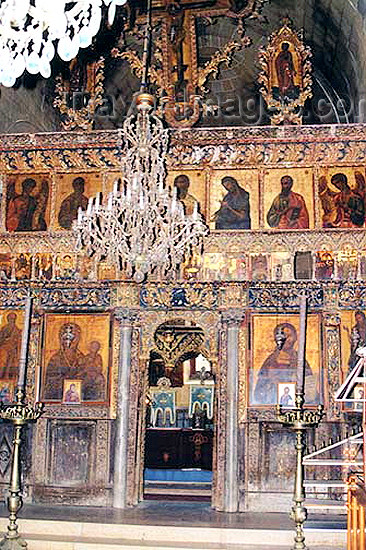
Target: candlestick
{"type": "Point", "coordinates": [97, 202]}
{"type": "Point", "coordinates": [300, 372]}
{"type": "Point", "coordinates": [24, 347]}
{"type": "Point", "coordinates": [90, 206]}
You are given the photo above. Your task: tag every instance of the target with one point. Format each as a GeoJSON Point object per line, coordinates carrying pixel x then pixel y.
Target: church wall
{"type": "Point", "coordinates": [26, 110]}
{"type": "Point", "coordinates": [250, 271]}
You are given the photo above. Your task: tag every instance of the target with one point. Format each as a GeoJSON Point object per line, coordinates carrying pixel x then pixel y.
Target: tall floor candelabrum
{"type": "Point", "coordinates": [300, 419]}
{"type": "Point", "coordinates": [19, 414]}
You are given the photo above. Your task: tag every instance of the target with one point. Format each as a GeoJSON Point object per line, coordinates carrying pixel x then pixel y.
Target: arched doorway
{"type": "Point", "coordinates": [180, 415]}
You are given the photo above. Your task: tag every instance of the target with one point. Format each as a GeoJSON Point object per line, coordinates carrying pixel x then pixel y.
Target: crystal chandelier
{"type": "Point", "coordinates": [141, 226]}
{"type": "Point", "coordinates": [28, 29]}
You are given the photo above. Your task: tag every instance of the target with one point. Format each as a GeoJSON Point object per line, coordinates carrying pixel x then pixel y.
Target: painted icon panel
{"type": "Point", "coordinates": [11, 327]}
{"type": "Point", "coordinates": [74, 191]}
{"type": "Point", "coordinates": [342, 194]}
{"type": "Point", "coordinates": [27, 203]}
{"type": "Point", "coordinates": [234, 200]}
{"type": "Point", "coordinates": [288, 199]}
{"type": "Point", "coordinates": [76, 347]}
{"type": "Point", "coordinates": [353, 336]}
{"type": "Point", "coordinates": [191, 189]}
{"type": "Point", "coordinates": [274, 357]}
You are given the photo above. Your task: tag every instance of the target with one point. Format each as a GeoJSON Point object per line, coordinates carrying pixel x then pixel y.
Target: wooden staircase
{"type": "Point", "coordinates": [330, 495]}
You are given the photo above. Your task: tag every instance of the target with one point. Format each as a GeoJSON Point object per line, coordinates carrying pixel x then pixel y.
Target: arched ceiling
{"type": "Point", "coordinates": [335, 30]}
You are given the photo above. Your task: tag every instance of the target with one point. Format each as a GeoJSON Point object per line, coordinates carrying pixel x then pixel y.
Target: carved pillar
{"type": "Point", "coordinates": [13, 260]}
{"type": "Point", "coordinates": [314, 257]}
{"type": "Point", "coordinates": [359, 266]}
{"type": "Point", "coordinates": [333, 369]}
{"type": "Point", "coordinates": [232, 319]}
{"type": "Point", "coordinates": [126, 319]}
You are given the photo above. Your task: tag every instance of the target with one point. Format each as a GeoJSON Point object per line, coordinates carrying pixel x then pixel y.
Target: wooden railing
{"type": "Point", "coordinates": [356, 505]}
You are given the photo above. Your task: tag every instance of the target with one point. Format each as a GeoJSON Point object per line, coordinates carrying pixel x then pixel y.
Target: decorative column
{"type": "Point", "coordinates": [232, 319]}
{"type": "Point", "coordinates": [333, 363]}
{"type": "Point", "coordinates": [126, 318]}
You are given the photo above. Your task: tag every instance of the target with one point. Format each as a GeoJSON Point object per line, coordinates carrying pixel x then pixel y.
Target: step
{"type": "Point", "coordinates": [178, 489]}
{"type": "Point", "coordinates": [177, 492]}
{"type": "Point", "coordinates": [72, 535]}
{"type": "Point", "coordinates": [61, 544]}
{"type": "Point", "coordinates": [325, 483]}
{"type": "Point", "coordinates": [325, 505]}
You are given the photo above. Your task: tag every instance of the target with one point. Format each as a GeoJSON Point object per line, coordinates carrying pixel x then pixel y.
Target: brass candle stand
{"type": "Point", "coordinates": [20, 414]}
{"type": "Point", "coordinates": [299, 420]}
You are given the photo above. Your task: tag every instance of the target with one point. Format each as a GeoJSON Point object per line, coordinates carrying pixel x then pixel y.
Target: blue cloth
{"type": "Point", "coordinates": [178, 475]}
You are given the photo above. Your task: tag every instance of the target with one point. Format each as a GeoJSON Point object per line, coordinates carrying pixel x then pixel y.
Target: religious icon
{"type": "Point", "coordinates": [5, 267]}
{"type": "Point", "coordinates": [76, 347]}
{"type": "Point", "coordinates": [343, 200]}
{"type": "Point", "coordinates": [288, 199]}
{"type": "Point", "coordinates": [191, 266]}
{"type": "Point", "coordinates": [65, 266]}
{"type": "Point", "coordinates": [347, 264]}
{"type": "Point", "coordinates": [279, 366]}
{"type": "Point", "coordinates": [288, 209]}
{"type": "Point", "coordinates": [213, 266]}
{"type": "Point", "coordinates": [282, 266]}
{"type": "Point", "coordinates": [191, 190]}
{"type": "Point", "coordinates": [106, 271]}
{"type": "Point", "coordinates": [86, 266]}
{"type": "Point", "coordinates": [73, 192]}
{"type": "Point", "coordinates": [236, 267]}
{"type": "Point", "coordinates": [234, 212]}
{"type": "Point", "coordinates": [275, 359]}
{"type": "Point", "coordinates": [163, 403]}
{"type": "Point", "coordinates": [259, 267]}
{"type": "Point", "coordinates": [359, 396]}
{"type": "Point", "coordinates": [70, 205]}
{"type": "Point", "coordinates": [286, 394]}
{"type": "Point", "coordinates": [354, 337]}
{"type": "Point", "coordinates": [27, 201]}
{"type": "Point", "coordinates": [233, 200]}
{"type": "Point", "coordinates": [190, 203]}
{"type": "Point", "coordinates": [286, 73]}
{"type": "Point", "coordinates": [324, 265]}
{"type": "Point", "coordinates": [7, 388]}
{"type": "Point", "coordinates": [94, 382]}
{"type": "Point", "coordinates": [285, 76]}
{"type": "Point", "coordinates": [71, 393]}
{"type": "Point", "coordinates": [10, 343]}
{"type": "Point", "coordinates": [43, 266]}
{"type": "Point", "coordinates": [23, 266]}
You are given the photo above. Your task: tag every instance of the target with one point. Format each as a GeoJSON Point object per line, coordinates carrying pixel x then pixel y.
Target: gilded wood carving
{"type": "Point", "coordinates": [285, 75]}
{"type": "Point", "coordinates": [179, 78]}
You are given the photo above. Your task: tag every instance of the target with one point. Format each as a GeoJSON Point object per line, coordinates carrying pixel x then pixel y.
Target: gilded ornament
{"type": "Point", "coordinates": [285, 76]}
{"type": "Point", "coordinates": [80, 117]}
{"type": "Point", "coordinates": [180, 81]}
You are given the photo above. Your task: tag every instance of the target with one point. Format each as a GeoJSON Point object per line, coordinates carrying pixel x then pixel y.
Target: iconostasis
{"type": "Point", "coordinates": [257, 220]}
